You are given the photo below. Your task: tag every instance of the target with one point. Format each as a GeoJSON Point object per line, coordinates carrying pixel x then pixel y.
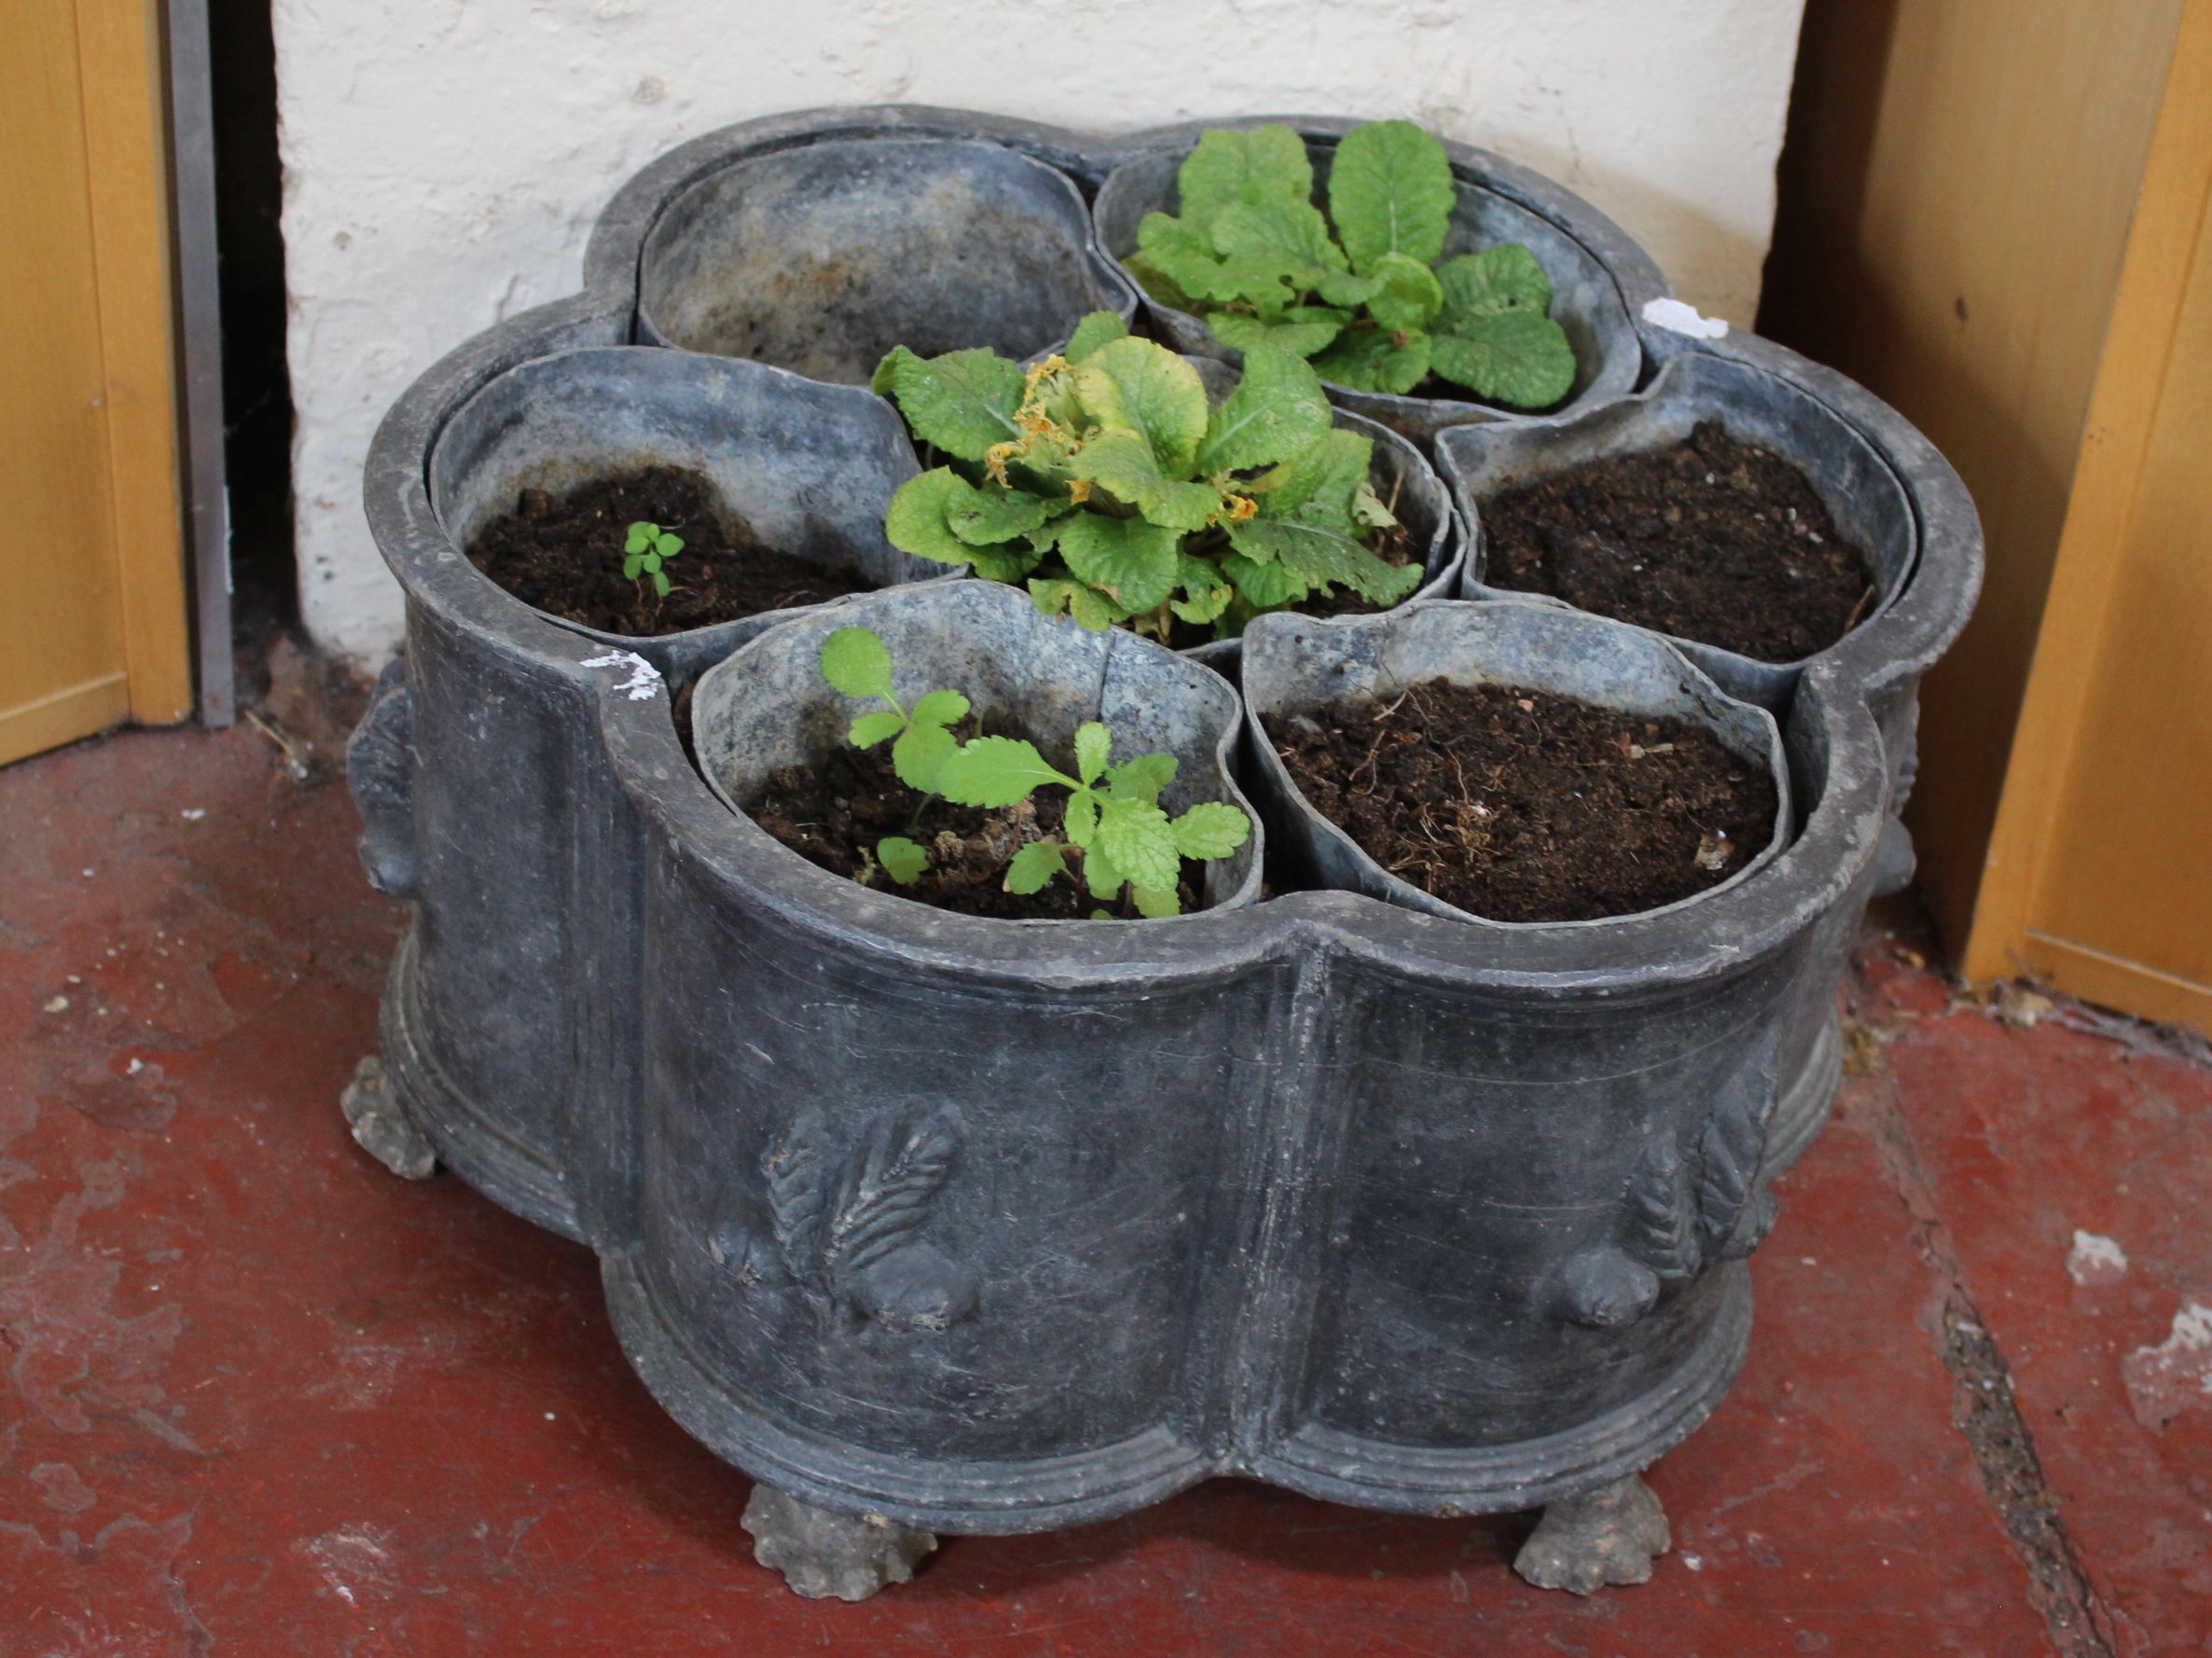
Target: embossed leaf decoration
{"type": "Point", "coordinates": [1663, 1225]}
{"type": "Point", "coordinates": [883, 1198]}
{"type": "Point", "coordinates": [798, 1191]}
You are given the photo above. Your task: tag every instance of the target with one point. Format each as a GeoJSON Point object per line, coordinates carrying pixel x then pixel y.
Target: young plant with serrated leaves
{"type": "Point", "coordinates": [1119, 840]}
{"type": "Point", "coordinates": [1107, 481]}
{"type": "Point", "coordinates": [645, 552]}
{"type": "Point", "coordinates": [1365, 292]}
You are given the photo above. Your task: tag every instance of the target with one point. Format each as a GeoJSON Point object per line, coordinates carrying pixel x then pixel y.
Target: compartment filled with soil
{"type": "Point", "coordinates": [1518, 804]}
{"type": "Point", "coordinates": [1706, 538]}
{"type": "Point", "coordinates": [563, 553]}
{"type": "Point", "coordinates": [834, 813]}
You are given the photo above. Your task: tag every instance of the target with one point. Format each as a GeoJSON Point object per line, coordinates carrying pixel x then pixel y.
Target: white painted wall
{"type": "Point", "coordinates": [444, 159]}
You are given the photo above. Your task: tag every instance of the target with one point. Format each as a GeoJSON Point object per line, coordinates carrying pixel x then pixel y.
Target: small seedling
{"type": "Point", "coordinates": [1107, 480]}
{"type": "Point", "coordinates": [645, 550]}
{"type": "Point", "coordinates": [1364, 292]}
{"type": "Point", "coordinates": [1116, 830]}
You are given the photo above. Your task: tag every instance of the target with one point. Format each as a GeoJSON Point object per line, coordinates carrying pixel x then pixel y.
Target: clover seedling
{"type": "Point", "coordinates": [1116, 829]}
{"type": "Point", "coordinates": [645, 550]}
{"type": "Point", "coordinates": [1365, 292]}
{"type": "Point", "coordinates": [1106, 480]}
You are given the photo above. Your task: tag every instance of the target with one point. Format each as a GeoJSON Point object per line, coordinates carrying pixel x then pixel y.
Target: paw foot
{"type": "Point", "coordinates": [823, 1554]}
{"type": "Point", "coordinates": [1610, 1535]}
{"type": "Point", "coordinates": [380, 1128]}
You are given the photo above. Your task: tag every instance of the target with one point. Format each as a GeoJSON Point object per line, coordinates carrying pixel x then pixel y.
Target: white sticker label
{"type": "Point", "coordinates": [1678, 318]}
{"type": "Point", "coordinates": [645, 679]}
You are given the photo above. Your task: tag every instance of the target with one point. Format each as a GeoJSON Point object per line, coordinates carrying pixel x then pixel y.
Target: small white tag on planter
{"type": "Point", "coordinates": [1674, 315]}
{"type": "Point", "coordinates": [645, 679]}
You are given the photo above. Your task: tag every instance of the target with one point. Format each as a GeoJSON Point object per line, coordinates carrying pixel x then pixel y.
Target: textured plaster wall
{"type": "Point", "coordinates": [444, 159]}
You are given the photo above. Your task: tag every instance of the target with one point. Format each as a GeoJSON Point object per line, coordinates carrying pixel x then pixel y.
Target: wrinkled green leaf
{"type": "Point", "coordinates": [1259, 164]}
{"type": "Point", "coordinates": [1503, 278]}
{"type": "Point", "coordinates": [1082, 820]}
{"type": "Point", "coordinates": [1211, 829]}
{"type": "Point", "coordinates": [1134, 563]}
{"type": "Point", "coordinates": [1139, 840]}
{"type": "Point", "coordinates": [856, 662]}
{"type": "Point", "coordinates": [1091, 609]}
{"type": "Point", "coordinates": [988, 515]}
{"type": "Point", "coordinates": [1408, 295]}
{"type": "Point", "coordinates": [1142, 777]}
{"type": "Point", "coordinates": [1123, 465]}
{"type": "Point", "coordinates": [1155, 905]}
{"type": "Point", "coordinates": [1180, 252]}
{"type": "Point", "coordinates": [1093, 743]}
{"type": "Point", "coordinates": [994, 771]}
{"type": "Point", "coordinates": [1390, 190]}
{"type": "Point", "coordinates": [1205, 593]}
{"type": "Point", "coordinates": [1317, 555]}
{"type": "Point", "coordinates": [1035, 865]}
{"type": "Point", "coordinates": [919, 519]}
{"type": "Point", "coordinates": [1133, 385]}
{"type": "Point", "coordinates": [939, 708]}
{"type": "Point", "coordinates": [919, 755]}
{"type": "Point", "coordinates": [1301, 329]}
{"type": "Point", "coordinates": [903, 860]}
{"type": "Point", "coordinates": [871, 729]}
{"type": "Point", "coordinates": [1094, 331]}
{"type": "Point", "coordinates": [1288, 236]}
{"type": "Point", "coordinates": [1278, 408]}
{"type": "Point", "coordinates": [1264, 586]}
{"type": "Point", "coordinates": [1102, 875]}
{"type": "Point", "coordinates": [1371, 359]}
{"type": "Point", "coordinates": [1342, 288]}
{"type": "Point", "coordinates": [963, 402]}
{"type": "Point", "coordinates": [1007, 564]}
{"type": "Point", "coordinates": [1157, 283]}
{"type": "Point", "coordinates": [1320, 483]}
{"type": "Point", "coordinates": [1519, 358]}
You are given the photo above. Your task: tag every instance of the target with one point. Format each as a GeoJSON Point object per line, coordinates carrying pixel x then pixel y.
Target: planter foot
{"type": "Point", "coordinates": [380, 1128]}
{"type": "Point", "coordinates": [823, 1554]}
{"type": "Point", "coordinates": [1610, 1535]}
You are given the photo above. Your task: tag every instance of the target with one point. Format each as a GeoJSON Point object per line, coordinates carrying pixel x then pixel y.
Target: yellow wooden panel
{"type": "Point", "coordinates": [1956, 198]}
{"type": "Point", "coordinates": [57, 569]}
{"type": "Point", "coordinates": [2096, 872]}
{"type": "Point", "coordinates": [126, 155]}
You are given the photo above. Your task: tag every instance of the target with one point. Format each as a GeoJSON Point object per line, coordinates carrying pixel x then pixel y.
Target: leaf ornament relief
{"type": "Point", "coordinates": [1683, 1212]}
{"type": "Point", "coordinates": [844, 1227]}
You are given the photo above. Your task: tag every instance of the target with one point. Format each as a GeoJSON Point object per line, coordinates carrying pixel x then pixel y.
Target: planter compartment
{"type": "Point", "coordinates": [1585, 300]}
{"type": "Point", "coordinates": [1860, 490]}
{"type": "Point", "coordinates": [810, 468]}
{"type": "Point", "coordinates": [822, 258]}
{"type": "Point", "coordinates": [1292, 666]}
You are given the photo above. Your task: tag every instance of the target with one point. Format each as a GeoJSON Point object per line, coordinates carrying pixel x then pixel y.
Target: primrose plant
{"type": "Point", "coordinates": [1106, 480]}
{"type": "Point", "coordinates": [645, 550]}
{"type": "Point", "coordinates": [1118, 834]}
{"type": "Point", "coordinates": [1364, 292]}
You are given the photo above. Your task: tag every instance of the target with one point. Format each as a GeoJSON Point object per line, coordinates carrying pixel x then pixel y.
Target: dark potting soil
{"type": "Point", "coordinates": [832, 812]}
{"type": "Point", "coordinates": [563, 554]}
{"type": "Point", "coordinates": [1709, 539]}
{"type": "Point", "coordinates": [1522, 805]}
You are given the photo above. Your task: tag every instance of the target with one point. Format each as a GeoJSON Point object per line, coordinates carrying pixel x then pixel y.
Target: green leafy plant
{"type": "Point", "coordinates": [1105, 480]}
{"type": "Point", "coordinates": [1364, 292]}
{"type": "Point", "coordinates": [1117, 834]}
{"type": "Point", "coordinates": [644, 552]}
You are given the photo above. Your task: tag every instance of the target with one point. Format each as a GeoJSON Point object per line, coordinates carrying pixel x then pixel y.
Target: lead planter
{"type": "Point", "coordinates": [1391, 1208]}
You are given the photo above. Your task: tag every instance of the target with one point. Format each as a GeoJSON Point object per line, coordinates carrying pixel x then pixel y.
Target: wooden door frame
{"type": "Point", "coordinates": [2162, 247]}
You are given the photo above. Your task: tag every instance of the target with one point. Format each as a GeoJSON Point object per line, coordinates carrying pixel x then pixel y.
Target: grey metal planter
{"type": "Point", "coordinates": [822, 256]}
{"type": "Point", "coordinates": [766, 707]}
{"type": "Point", "coordinates": [1292, 665]}
{"type": "Point", "coordinates": [1585, 298]}
{"type": "Point", "coordinates": [1385, 1207]}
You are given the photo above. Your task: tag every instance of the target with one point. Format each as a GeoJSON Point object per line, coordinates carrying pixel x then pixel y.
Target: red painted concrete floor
{"type": "Point", "coordinates": [263, 1398]}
